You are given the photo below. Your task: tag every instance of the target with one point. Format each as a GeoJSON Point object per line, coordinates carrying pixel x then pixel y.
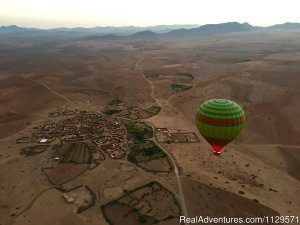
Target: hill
{"type": "Point", "coordinates": [286, 26]}
{"type": "Point", "coordinates": [211, 29]}
{"type": "Point", "coordinates": [144, 35]}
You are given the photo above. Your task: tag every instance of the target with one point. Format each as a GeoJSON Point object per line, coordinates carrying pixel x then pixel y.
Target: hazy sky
{"type": "Point", "coordinates": [90, 13]}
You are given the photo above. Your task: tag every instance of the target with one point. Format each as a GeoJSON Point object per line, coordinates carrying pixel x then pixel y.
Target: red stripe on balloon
{"type": "Point", "coordinates": [220, 122]}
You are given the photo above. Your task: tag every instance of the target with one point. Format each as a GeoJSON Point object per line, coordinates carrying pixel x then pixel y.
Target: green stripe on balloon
{"type": "Point", "coordinates": [219, 121]}
{"type": "Point", "coordinates": [225, 115]}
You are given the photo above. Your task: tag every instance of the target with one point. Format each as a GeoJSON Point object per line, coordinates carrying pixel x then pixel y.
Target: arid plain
{"type": "Point", "coordinates": [126, 81]}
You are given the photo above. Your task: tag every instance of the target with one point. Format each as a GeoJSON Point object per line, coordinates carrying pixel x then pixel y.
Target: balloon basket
{"type": "Point", "coordinates": [217, 153]}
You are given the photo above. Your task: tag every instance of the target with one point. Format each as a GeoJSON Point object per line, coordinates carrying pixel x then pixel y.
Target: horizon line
{"type": "Point", "coordinates": [106, 26]}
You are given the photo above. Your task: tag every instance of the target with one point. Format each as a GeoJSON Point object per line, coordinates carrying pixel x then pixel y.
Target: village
{"type": "Point", "coordinates": [106, 133]}
{"type": "Point", "coordinates": [164, 135]}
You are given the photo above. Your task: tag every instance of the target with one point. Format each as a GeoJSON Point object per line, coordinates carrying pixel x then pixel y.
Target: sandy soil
{"type": "Point", "coordinates": [64, 172]}
{"type": "Point", "coordinates": [122, 214]}
{"type": "Point", "coordinates": [292, 157]}
{"type": "Point", "coordinates": [159, 165]}
{"type": "Point", "coordinates": [209, 201]}
{"type": "Point", "coordinates": [259, 70]}
{"type": "Point", "coordinates": [19, 103]}
{"type": "Point", "coordinates": [49, 208]}
{"type": "Point", "coordinates": [260, 176]}
{"type": "Point", "coordinates": [174, 221]}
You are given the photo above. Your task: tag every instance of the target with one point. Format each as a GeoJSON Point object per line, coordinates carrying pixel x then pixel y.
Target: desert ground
{"type": "Point", "coordinates": [256, 175]}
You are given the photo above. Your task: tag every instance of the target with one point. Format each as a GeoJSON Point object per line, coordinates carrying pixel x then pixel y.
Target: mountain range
{"type": "Point", "coordinates": [132, 32]}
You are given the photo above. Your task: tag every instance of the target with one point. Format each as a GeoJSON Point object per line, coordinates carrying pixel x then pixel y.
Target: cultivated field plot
{"type": "Point", "coordinates": [184, 137]}
{"type": "Point", "coordinates": [144, 151]}
{"type": "Point", "coordinates": [33, 150]}
{"type": "Point", "coordinates": [138, 130]}
{"type": "Point", "coordinates": [163, 135]}
{"type": "Point", "coordinates": [77, 152]}
{"type": "Point", "coordinates": [169, 72]}
{"type": "Point", "coordinates": [148, 204]}
{"type": "Point", "coordinates": [23, 140]}
{"type": "Point", "coordinates": [153, 110]}
{"type": "Point", "coordinates": [67, 162]}
{"type": "Point", "coordinates": [147, 155]}
{"type": "Point", "coordinates": [179, 87]}
{"type": "Point", "coordinates": [64, 172]}
{"type": "Point", "coordinates": [117, 108]}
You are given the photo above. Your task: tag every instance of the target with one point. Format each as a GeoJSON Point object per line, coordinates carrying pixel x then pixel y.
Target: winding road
{"type": "Point", "coordinates": [176, 170]}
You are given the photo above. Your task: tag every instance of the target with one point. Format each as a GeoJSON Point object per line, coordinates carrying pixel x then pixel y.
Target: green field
{"type": "Point", "coordinates": [144, 151]}
{"type": "Point", "coordinates": [242, 60]}
{"type": "Point", "coordinates": [147, 204]}
{"type": "Point", "coordinates": [139, 130]}
{"type": "Point", "coordinates": [189, 75]}
{"type": "Point", "coordinates": [77, 152]}
{"type": "Point", "coordinates": [111, 111]}
{"type": "Point", "coordinates": [153, 110]}
{"type": "Point", "coordinates": [32, 150]}
{"type": "Point", "coordinates": [115, 101]}
{"type": "Point", "coordinates": [180, 87]}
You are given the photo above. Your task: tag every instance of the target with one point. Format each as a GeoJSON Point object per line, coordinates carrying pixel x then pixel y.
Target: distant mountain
{"type": "Point", "coordinates": [211, 29]}
{"type": "Point", "coordinates": [103, 37]}
{"type": "Point", "coordinates": [14, 28]}
{"type": "Point", "coordinates": [167, 28]}
{"type": "Point", "coordinates": [132, 32]}
{"type": "Point", "coordinates": [285, 26]}
{"type": "Point", "coordinates": [144, 35]}
{"type": "Point", "coordinates": [141, 35]}
{"type": "Point", "coordinates": [125, 30]}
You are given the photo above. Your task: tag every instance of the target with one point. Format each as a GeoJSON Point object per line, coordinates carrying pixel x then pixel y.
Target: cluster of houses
{"type": "Point", "coordinates": [108, 134]}
{"type": "Point", "coordinates": [113, 142]}
{"type": "Point", "coordinates": [165, 136]}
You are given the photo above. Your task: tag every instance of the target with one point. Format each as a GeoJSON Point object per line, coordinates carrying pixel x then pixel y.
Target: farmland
{"type": "Point", "coordinates": [144, 151]}
{"type": "Point", "coordinates": [147, 204]}
{"type": "Point", "coordinates": [139, 130]}
{"type": "Point", "coordinates": [55, 91]}
{"type": "Point", "coordinates": [117, 107]}
{"type": "Point", "coordinates": [77, 152]}
{"type": "Point", "coordinates": [32, 150]}
{"type": "Point", "coordinates": [147, 155]}
{"type": "Point", "coordinates": [180, 87]}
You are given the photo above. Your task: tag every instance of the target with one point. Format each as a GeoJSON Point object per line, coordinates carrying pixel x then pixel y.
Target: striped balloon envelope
{"type": "Point", "coordinates": [220, 121]}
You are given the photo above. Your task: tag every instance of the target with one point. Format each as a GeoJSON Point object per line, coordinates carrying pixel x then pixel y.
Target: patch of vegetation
{"type": "Point", "coordinates": [111, 111]}
{"type": "Point", "coordinates": [271, 189]}
{"type": "Point", "coordinates": [242, 60]}
{"type": "Point", "coordinates": [139, 131]}
{"type": "Point", "coordinates": [115, 101]}
{"type": "Point", "coordinates": [137, 203]}
{"type": "Point", "coordinates": [241, 192]}
{"type": "Point", "coordinates": [191, 76]}
{"type": "Point", "coordinates": [33, 150]}
{"type": "Point", "coordinates": [138, 113]}
{"type": "Point", "coordinates": [153, 110]}
{"type": "Point", "coordinates": [180, 87]}
{"type": "Point", "coordinates": [144, 151]}
{"type": "Point", "coordinates": [78, 153]}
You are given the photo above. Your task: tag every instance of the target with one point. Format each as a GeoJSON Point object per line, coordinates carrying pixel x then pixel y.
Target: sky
{"type": "Point", "coordinates": [91, 13]}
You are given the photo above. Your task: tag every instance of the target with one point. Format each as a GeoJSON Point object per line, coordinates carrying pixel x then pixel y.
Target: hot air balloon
{"type": "Point", "coordinates": [219, 121]}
